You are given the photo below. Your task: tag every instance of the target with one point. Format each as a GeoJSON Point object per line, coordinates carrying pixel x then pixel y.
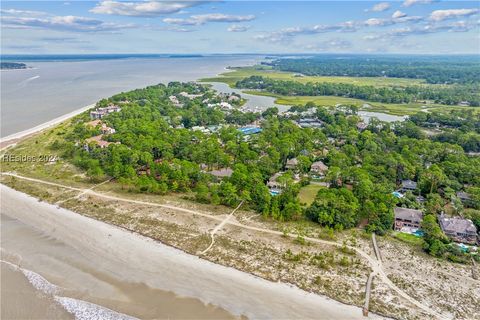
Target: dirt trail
{"type": "Point", "coordinates": [374, 263]}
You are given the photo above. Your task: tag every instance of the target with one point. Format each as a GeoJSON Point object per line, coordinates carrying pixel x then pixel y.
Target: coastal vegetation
{"type": "Point", "coordinates": [435, 70]}
{"type": "Point", "coordinates": [161, 153]}
{"type": "Point", "coordinates": [449, 95]}
{"type": "Point", "coordinates": [158, 147]}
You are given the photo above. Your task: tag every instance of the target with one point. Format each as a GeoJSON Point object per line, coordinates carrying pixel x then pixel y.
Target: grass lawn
{"type": "Point", "coordinates": [308, 193]}
{"type": "Point", "coordinates": [390, 108]}
{"type": "Point", "coordinates": [237, 74]}
{"type": "Point", "coordinates": [408, 238]}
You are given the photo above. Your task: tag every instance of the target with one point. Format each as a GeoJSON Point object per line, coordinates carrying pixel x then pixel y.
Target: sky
{"type": "Point", "coordinates": [189, 27]}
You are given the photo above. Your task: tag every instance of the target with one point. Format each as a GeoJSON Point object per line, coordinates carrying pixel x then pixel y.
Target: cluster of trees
{"type": "Point", "coordinates": [458, 127]}
{"type": "Point", "coordinates": [154, 155]}
{"type": "Point", "coordinates": [449, 95]}
{"type": "Point", "coordinates": [464, 70]}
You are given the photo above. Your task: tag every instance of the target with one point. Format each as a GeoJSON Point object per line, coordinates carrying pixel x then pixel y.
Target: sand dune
{"type": "Point", "coordinates": [133, 258]}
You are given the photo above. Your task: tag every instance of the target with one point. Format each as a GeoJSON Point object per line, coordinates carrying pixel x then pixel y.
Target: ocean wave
{"type": "Point", "coordinates": [36, 280]}
{"type": "Point", "coordinates": [83, 310]}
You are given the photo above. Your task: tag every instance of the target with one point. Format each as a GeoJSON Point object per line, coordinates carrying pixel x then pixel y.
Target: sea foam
{"type": "Point", "coordinates": [83, 310]}
{"type": "Point", "coordinates": [36, 280]}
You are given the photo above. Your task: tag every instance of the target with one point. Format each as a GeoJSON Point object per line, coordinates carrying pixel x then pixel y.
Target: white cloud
{"type": "Point", "coordinates": [439, 15]}
{"type": "Point", "coordinates": [397, 17]}
{"type": "Point", "coordinates": [375, 22]}
{"type": "Point", "coordinates": [331, 45]}
{"type": "Point", "coordinates": [61, 23]}
{"type": "Point", "coordinates": [286, 34]}
{"type": "Point", "coordinates": [409, 3]}
{"type": "Point", "coordinates": [237, 28]}
{"type": "Point", "coordinates": [142, 8]}
{"type": "Point", "coordinates": [379, 7]}
{"type": "Point", "coordinates": [23, 12]}
{"type": "Point", "coordinates": [201, 19]}
{"type": "Point", "coordinates": [398, 14]}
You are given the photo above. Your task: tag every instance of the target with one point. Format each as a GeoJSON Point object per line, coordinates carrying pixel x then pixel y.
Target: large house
{"type": "Point", "coordinates": [407, 220]}
{"type": "Point", "coordinates": [408, 185]}
{"type": "Point", "coordinates": [99, 113]}
{"type": "Point", "coordinates": [318, 168]}
{"type": "Point", "coordinates": [459, 229]}
{"type": "Point", "coordinates": [291, 163]}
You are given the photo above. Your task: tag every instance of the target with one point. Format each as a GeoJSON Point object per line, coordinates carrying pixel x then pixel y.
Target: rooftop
{"type": "Point", "coordinates": [408, 214]}
{"type": "Point", "coordinates": [457, 225]}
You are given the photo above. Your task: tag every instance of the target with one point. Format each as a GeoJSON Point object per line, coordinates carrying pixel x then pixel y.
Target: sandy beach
{"type": "Point", "coordinates": [129, 258]}
{"type": "Point", "coordinates": [14, 138]}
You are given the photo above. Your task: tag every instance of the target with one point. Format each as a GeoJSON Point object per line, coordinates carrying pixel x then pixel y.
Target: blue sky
{"type": "Point", "coordinates": [408, 26]}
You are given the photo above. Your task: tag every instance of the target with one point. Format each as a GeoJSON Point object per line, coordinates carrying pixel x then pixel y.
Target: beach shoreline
{"type": "Point", "coordinates": [229, 288]}
{"type": "Point", "coordinates": [14, 138]}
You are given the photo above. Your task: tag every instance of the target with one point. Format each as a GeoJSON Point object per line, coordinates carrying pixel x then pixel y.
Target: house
{"type": "Point", "coordinates": [98, 140]}
{"type": "Point", "coordinates": [407, 220]}
{"type": "Point", "coordinates": [99, 113]}
{"type": "Point", "coordinates": [458, 229]}
{"type": "Point", "coordinates": [175, 101]}
{"type": "Point", "coordinates": [107, 130]}
{"type": "Point", "coordinates": [408, 185]}
{"type": "Point", "coordinates": [318, 168]}
{"type": "Point", "coordinates": [291, 164]}
{"type": "Point", "coordinates": [362, 126]}
{"type": "Point", "coordinates": [275, 186]}
{"type": "Point", "coordinates": [465, 198]}
{"type": "Point", "coordinates": [233, 98]}
{"type": "Point", "coordinates": [221, 173]}
{"type": "Point", "coordinates": [250, 130]}
{"type": "Point", "coordinates": [189, 95]}
{"type": "Point", "coordinates": [103, 127]}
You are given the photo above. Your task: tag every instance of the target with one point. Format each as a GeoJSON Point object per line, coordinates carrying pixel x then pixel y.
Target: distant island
{"type": "Point", "coordinates": [12, 65]}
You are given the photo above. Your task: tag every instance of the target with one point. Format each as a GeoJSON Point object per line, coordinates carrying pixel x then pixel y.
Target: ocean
{"type": "Point", "coordinates": [56, 85]}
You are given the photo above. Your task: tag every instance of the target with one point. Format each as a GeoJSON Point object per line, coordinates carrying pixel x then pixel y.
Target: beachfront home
{"type": "Point", "coordinates": [275, 186]}
{"type": "Point", "coordinates": [99, 113]}
{"type": "Point", "coordinates": [458, 229]}
{"type": "Point", "coordinates": [318, 169]}
{"type": "Point", "coordinates": [407, 185]}
{"type": "Point", "coordinates": [407, 220]}
{"type": "Point", "coordinates": [291, 164]}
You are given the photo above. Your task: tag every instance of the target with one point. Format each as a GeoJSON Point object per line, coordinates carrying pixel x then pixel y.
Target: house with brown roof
{"type": "Point", "coordinates": [291, 164]}
{"type": "Point", "coordinates": [98, 141]}
{"type": "Point", "coordinates": [318, 168]}
{"type": "Point", "coordinates": [273, 184]}
{"type": "Point", "coordinates": [458, 229]}
{"type": "Point", "coordinates": [407, 220]}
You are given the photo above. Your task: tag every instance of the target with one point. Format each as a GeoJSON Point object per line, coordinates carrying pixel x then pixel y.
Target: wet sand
{"type": "Point", "coordinates": [17, 293]}
{"type": "Point", "coordinates": [129, 273]}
